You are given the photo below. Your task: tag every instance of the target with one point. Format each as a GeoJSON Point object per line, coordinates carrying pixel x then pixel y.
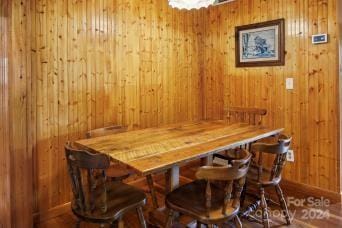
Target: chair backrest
{"type": "Point", "coordinates": [105, 131]}
{"type": "Point", "coordinates": [88, 178]}
{"type": "Point", "coordinates": [279, 149]}
{"type": "Point", "coordinates": [251, 116]}
{"type": "Point", "coordinates": [232, 176]}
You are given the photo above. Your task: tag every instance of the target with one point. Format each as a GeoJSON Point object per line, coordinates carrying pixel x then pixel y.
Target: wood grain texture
{"type": "Point", "coordinates": [5, 161]}
{"type": "Point", "coordinates": [80, 65]}
{"type": "Point", "coordinates": [339, 20]}
{"type": "Point", "coordinates": [76, 65]}
{"type": "Point", "coordinates": [98, 63]}
{"type": "Point", "coordinates": [19, 113]}
{"type": "Point", "coordinates": [309, 112]}
{"type": "Point", "coordinates": [155, 149]}
{"type": "Point", "coordinates": [15, 147]}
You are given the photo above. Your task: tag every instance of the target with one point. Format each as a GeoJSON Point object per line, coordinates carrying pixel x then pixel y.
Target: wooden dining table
{"type": "Point", "coordinates": [156, 149]}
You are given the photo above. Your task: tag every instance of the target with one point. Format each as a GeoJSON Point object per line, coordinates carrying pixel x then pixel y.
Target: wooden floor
{"type": "Point", "coordinates": [325, 216]}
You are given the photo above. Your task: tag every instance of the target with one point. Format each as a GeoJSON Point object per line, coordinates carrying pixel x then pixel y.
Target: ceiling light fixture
{"type": "Point", "coordinates": [190, 4]}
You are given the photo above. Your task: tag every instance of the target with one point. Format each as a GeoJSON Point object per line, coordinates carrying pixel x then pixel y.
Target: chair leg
{"type": "Point", "coordinates": [141, 217]}
{"type": "Point", "coordinates": [211, 225]}
{"type": "Point", "coordinates": [114, 225]}
{"type": "Point", "coordinates": [117, 224]}
{"type": "Point", "coordinates": [169, 220]}
{"type": "Point", "coordinates": [283, 204]}
{"type": "Point", "coordinates": [121, 223]}
{"type": "Point", "coordinates": [152, 191]}
{"type": "Point", "coordinates": [203, 161]}
{"type": "Point", "coordinates": [264, 208]}
{"type": "Point", "coordinates": [243, 195]}
{"type": "Point", "coordinates": [198, 224]}
{"type": "Point", "coordinates": [78, 223]}
{"type": "Point", "coordinates": [238, 223]}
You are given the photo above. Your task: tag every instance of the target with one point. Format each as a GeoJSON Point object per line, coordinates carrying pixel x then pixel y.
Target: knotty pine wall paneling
{"type": "Point", "coordinates": [5, 161]}
{"type": "Point", "coordinates": [15, 139]}
{"type": "Point", "coordinates": [77, 65]}
{"type": "Point", "coordinates": [339, 16]}
{"type": "Point", "coordinates": [20, 113]}
{"type": "Point", "coordinates": [97, 63]}
{"type": "Point", "coordinates": [309, 112]}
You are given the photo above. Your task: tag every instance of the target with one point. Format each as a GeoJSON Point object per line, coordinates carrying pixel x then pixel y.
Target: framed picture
{"type": "Point", "coordinates": [261, 44]}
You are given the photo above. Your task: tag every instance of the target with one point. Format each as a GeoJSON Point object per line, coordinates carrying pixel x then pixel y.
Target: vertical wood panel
{"type": "Point", "coordinates": [19, 81]}
{"type": "Point", "coordinates": [106, 62]}
{"type": "Point", "coordinates": [81, 64]}
{"type": "Point", "coordinates": [339, 35]}
{"type": "Point", "coordinates": [309, 112]}
{"type": "Point", "coordinates": [5, 167]}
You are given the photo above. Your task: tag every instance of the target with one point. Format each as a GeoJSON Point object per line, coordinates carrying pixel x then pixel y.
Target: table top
{"type": "Point", "coordinates": [159, 148]}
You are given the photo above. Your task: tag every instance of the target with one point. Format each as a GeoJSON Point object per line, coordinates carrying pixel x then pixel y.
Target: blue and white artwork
{"type": "Point", "coordinates": [259, 44]}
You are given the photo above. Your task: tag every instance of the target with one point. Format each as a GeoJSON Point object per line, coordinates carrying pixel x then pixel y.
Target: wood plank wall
{"type": "Point", "coordinates": [5, 168]}
{"type": "Point", "coordinates": [339, 16]}
{"type": "Point", "coordinates": [81, 64]}
{"type": "Point", "coordinates": [96, 63]}
{"type": "Point", "coordinates": [20, 112]}
{"type": "Point", "coordinates": [310, 111]}
{"type": "Point", "coordinates": [15, 89]}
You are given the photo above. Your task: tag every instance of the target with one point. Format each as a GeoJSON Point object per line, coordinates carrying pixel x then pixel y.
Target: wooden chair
{"type": "Point", "coordinates": [205, 200]}
{"type": "Point", "coordinates": [97, 200]}
{"type": "Point", "coordinates": [252, 116]}
{"type": "Point", "coordinates": [114, 129]}
{"type": "Point", "coordinates": [117, 171]}
{"type": "Point", "coordinates": [265, 178]}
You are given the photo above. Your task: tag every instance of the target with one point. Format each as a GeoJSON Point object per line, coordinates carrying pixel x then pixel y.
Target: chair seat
{"type": "Point", "coordinates": [190, 199]}
{"type": "Point", "coordinates": [121, 197]}
{"type": "Point", "coordinates": [252, 177]}
{"type": "Point", "coordinates": [118, 172]}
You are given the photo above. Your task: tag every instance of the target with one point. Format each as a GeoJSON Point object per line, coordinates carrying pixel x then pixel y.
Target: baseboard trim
{"type": "Point", "coordinates": [51, 213]}
{"type": "Point", "coordinates": [303, 191]}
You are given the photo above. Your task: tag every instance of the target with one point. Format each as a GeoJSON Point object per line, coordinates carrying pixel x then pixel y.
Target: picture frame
{"type": "Point", "coordinates": [260, 44]}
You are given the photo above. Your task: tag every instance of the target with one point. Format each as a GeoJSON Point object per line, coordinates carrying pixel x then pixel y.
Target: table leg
{"type": "Point", "coordinates": [209, 160]}
{"type": "Point", "coordinates": [172, 179]}
{"type": "Point", "coordinates": [158, 217]}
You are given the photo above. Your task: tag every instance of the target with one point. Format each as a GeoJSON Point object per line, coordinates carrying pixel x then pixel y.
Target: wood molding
{"type": "Point", "coordinates": [51, 213]}
{"type": "Point", "coordinates": [303, 191]}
